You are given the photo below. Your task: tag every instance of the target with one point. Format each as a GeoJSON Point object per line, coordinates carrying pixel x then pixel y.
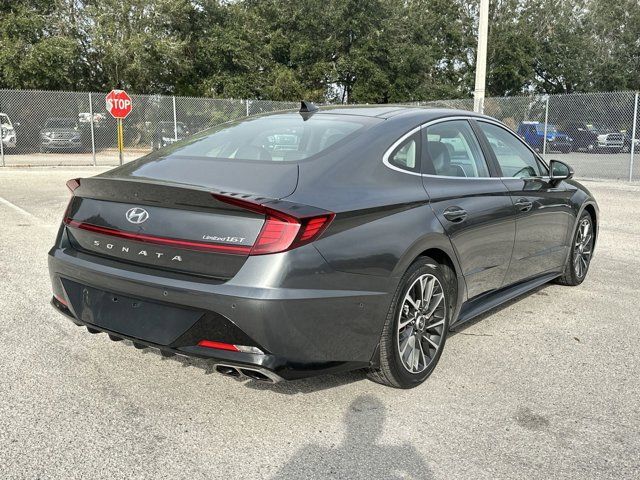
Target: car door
{"type": "Point", "coordinates": [473, 207]}
{"type": "Point", "coordinates": [543, 211]}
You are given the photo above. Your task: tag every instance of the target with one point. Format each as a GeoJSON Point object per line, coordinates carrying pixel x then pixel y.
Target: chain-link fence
{"type": "Point", "coordinates": [597, 134]}
{"type": "Point", "coordinates": [71, 128]}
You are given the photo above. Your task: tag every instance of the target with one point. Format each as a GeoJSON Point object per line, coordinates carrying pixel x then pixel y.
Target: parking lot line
{"type": "Point", "coordinates": [19, 210]}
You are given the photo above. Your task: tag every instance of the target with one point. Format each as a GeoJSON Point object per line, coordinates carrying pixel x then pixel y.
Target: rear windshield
{"type": "Point", "coordinates": [273, 138]}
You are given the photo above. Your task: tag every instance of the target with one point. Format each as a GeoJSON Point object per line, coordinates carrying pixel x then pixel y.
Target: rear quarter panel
{"type": "Point", "coordinates": [383, 217]}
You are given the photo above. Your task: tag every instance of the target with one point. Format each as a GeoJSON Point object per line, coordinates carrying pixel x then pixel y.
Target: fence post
{"type": "Point", "coordinates": [546, 120]}
{"type": "Point", "coordinates": [93, 138]}
{"type": "Point", "coordinates": [247, 107]}
{"type": "Point", "coordinates": [633, 136]}
{"type": "Point", "coordinates": [175, 121]}
{"type": "Point", "coordinates": [2, 144]}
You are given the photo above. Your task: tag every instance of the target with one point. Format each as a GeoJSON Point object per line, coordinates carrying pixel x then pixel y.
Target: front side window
{"type": "Point", "coordinates": [287, 137]}
{"type": "Point", "coordinates": [451, 149]}
{"type": "Point", "coordinates": [514, 158]}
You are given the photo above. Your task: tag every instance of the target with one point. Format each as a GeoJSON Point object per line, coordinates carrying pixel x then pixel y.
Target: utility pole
{"type": "Point", "coordinates": [481, 57]}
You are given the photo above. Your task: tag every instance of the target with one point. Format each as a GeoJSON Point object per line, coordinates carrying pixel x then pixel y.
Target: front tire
{"type": "Point", "coordinates": [579, 260]}
{"type": "Point", "coordinates": [416, 327]}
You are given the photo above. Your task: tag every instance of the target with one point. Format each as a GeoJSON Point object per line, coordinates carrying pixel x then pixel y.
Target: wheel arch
{"type": "Point", "coordinates": [443, 258]}
{"type": "Point", "coordinates": [439, 248]}
{"type": "Point", "coordinates": [591, 208]}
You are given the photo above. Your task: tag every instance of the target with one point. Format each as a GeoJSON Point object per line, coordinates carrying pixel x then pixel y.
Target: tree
{"type": "Point", "coordinates": [365, 51]}
{"type": "Point", "coordinates": [40, 46]}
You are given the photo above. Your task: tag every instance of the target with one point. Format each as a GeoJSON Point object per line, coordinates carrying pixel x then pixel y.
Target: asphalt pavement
{"type": "Point", "coordinates": [547, 386]}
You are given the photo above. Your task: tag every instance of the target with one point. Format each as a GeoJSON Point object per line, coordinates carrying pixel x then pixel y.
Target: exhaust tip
{"type": "Point", "coordinates": [114, 338]}
{"type": "Point", "coordinates": [255, 375]}
{"type": "Point", "coordinates": [92, 331]}
{"type": "Point", "coordinates": [228, 371]}
{"type": "Point", "coordinates": [139, 346]}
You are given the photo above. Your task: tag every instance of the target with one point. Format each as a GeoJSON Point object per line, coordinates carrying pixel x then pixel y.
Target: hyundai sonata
{"type": "Point", "coordinates": [324, 240]}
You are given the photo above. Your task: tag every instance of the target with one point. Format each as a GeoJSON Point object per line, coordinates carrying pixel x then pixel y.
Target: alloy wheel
{"type": "Point", "coordinates": [583, 248]}
{"type": "Point", "coordinates": [421, 323]}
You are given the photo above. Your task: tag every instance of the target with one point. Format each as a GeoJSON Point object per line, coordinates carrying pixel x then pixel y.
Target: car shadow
{"type": "Point", "coordinates": [361, 453]}
{"type": "Point", "coordinates": [311, 384]}
{"type": "Point", "coordinates": [295, 387]}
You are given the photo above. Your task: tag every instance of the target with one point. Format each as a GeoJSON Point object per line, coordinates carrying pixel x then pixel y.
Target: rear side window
{"type": "Point", "coordinates": [451, 149]}
{"type": "Point", "coordinates": [405, 156]}
{"type": "Point", "coordinates": [286, 137]}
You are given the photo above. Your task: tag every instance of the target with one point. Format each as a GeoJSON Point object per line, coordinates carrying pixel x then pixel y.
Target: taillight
{"type": "Point", "coordinates": [281, 231]}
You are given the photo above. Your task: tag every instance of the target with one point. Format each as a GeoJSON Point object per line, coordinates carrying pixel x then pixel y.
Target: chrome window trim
{"type": "Point", "coordinates": [389, 151]}
{"type": "Point", "coordinates": [396, 144]}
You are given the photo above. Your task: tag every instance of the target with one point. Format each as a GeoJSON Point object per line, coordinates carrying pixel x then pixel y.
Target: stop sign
{"type": "Point", "coordinates": [118, 103]}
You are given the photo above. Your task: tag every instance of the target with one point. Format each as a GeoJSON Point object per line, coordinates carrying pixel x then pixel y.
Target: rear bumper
{"type": "Point", "coordinates": [243, 364]}
{"type": "Point", "coordinates": [324, 321]}
{"type": "Point", "coordinates": [610, 144]}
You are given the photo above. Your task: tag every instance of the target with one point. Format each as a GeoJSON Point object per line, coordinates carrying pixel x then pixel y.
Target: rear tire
{"type": "Point", "coordinates": [416, 326]}
{"type": "Point", "coordinates": [575, 271]}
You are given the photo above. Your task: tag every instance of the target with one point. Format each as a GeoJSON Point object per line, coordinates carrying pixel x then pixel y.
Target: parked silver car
{"type": "Point", "coordinates": [8, 133]}
{"type": "Point", "coordinates": [60, 134]}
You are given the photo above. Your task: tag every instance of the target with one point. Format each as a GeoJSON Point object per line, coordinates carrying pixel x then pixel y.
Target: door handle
{"type": "Point", "coordinates": [455, 214]}
{"type": "Point", "coordinates": [524, 205]}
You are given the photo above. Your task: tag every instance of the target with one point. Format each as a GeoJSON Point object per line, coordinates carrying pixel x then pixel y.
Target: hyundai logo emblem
{"type": "Point", "coordinates": [137, 215]}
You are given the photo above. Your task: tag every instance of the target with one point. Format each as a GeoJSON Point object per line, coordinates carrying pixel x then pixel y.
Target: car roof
{"type": "Point", "coordinates": [389, 111]}
{"type": "Point", "coordinates": [380, 111]}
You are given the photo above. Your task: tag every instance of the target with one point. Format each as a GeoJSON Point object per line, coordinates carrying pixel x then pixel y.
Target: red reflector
{"type": "Point", "coordinates": [73, 184]}
{"type": "Point", "coordinates": [218, 345]}
{"type": "Point", "coordinates": [60, 299]}
{"type": "Point", "coordinates": [281, 230]}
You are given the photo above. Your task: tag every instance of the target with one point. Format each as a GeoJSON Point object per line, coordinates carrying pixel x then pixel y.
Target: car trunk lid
{"type": "Point", "coordinates": [182, 228]}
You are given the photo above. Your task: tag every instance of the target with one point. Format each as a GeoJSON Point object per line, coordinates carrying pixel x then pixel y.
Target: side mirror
{"type": "Point", "coordinates": [559, 171]}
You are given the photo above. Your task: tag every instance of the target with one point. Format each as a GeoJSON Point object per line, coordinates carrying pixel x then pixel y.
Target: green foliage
{"type": "Point", "coordinates": [365, 51]}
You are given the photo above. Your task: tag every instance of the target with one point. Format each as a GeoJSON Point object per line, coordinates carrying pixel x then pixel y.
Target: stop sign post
{"type": "Point", "coordinates": [119, 106]}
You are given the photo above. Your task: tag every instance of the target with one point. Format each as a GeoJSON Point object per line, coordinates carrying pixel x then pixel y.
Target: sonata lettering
{"type": "Point", "coordinates": [127, 249]}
